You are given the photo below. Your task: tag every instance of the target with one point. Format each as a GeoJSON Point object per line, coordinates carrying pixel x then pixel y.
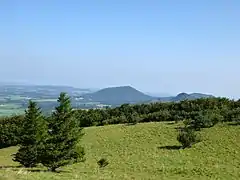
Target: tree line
{"type": "Point", "coordinates": [200, 113]}
{"type": "Point", "coordinates": [209, 110]}
{"type": "Point", "coordinates": [53, 140]}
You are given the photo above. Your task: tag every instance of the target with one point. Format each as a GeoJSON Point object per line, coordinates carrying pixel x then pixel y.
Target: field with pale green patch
{"type": "Point", "coordinates": [143, 151]}
{"type": "Point", "coordinates": [14, 104]}
{"type": "Point", "coordinates": [9, 109]}
{"type": "Point", "coordinates": [45, 100]}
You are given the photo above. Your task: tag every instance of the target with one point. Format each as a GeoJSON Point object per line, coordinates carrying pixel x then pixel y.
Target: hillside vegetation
{"type": "Point", "coordinates": [118, 95]}
{"type": "Point", "coordinates": [197, 139]}
{"type": "Point", "coordinates": [199, 113]}
{"type": "Point", "coordinates": [143, 151]}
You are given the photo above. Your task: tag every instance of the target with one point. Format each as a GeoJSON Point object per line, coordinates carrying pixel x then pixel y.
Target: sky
{"type": "Point", "coordinates": [166, 46]}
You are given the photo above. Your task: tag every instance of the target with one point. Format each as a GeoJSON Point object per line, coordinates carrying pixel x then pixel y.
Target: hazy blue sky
{"type": "Point", "coordinates": [156, 46]}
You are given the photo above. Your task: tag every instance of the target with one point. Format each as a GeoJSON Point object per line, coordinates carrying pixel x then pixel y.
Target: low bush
{"type": "Point", "coordinates": [10, 131]}
{"type": "Point", "coordinates": [102, 162]}
{"type": "Point", "coordinates": [204, 119]}
{"type": "Point", "coordinates": [187, 137]}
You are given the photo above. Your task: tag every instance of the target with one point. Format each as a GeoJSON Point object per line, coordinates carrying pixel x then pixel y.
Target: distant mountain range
{"type": "Point", "coordinates": [127, 94]}
{"type": "Point", "coordinates": [87, 98]}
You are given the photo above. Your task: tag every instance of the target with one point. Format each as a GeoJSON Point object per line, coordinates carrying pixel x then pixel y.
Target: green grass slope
{"type": "Point", "coordinates": [139, 152]}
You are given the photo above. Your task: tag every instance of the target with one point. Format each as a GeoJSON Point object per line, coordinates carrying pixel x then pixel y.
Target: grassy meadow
{"type": "Point", "coordinates": [143, 151]}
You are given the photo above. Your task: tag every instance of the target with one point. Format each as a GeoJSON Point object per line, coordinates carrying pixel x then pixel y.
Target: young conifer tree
{"type": "Point", "coordinates": [32, 136]}
{"type": "Point", "coordinates": [64, 133]}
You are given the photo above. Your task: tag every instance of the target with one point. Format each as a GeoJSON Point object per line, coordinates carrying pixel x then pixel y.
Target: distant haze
{"type": "Point", "coordinates": [154, 46]}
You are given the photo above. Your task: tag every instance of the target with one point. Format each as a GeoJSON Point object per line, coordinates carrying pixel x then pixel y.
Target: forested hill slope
{"type": "Point", "coordinates": [127, 94]}
{"type": "Point", "coordinates": [192, 96]}
{"type": "Point", "coordinates": [118, 95]}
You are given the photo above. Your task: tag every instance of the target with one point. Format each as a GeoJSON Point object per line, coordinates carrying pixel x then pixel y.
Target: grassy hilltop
{"type": "Point", "coordinates": [144, 151]}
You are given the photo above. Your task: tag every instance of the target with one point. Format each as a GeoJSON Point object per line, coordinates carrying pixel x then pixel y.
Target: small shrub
{"type": "Point", "coordinates": [102, 163]}
{"type": "Point", "coordinates": [132, 119]}
{"type": "Point", "coordinates": [176, 119]}
{"type": "Point", "coordinates": [204, 120]}
{"type": "Point", "coordinates": [10, 130]}
{"type": "Point", "coordinates": [215, 118]}
{"type": "Point", "coordinates": [233, 115]}
{"type": "Point", "coordinates": [187, 137]}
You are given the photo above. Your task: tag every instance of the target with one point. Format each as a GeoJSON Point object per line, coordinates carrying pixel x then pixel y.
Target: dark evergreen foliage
{"type": "Point", "coordinates": [32, 135]}
{"type": "Point", "coordinates": [10, 131]}
{"type": "Point", "coordinates": [63, 135]}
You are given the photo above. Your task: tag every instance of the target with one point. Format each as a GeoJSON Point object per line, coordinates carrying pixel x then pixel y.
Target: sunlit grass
{"type": "Point", "coordinates": [139, 152]}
